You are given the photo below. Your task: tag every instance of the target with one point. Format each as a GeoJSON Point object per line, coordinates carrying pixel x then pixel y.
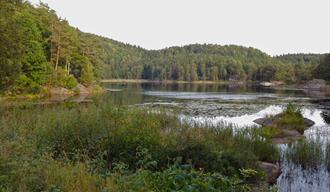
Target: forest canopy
{"type": "Point", "coordinates": [38, 48]}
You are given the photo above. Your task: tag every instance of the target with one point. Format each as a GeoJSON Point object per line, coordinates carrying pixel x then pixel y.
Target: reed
{"type": "Point", "coordinates": [57, 147]}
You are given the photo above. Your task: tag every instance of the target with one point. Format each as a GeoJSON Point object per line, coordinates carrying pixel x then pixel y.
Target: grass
{"type": "Point", "coordinates": [328, 156]}
{"type": "Point", "coordinates": [308, 154]}
{"type": "Point", "coordinates": [291, 118]}
{"type": "Point", "coordinates": [102, 147]}
{"type": "Point", "coordinates": [270, 132]}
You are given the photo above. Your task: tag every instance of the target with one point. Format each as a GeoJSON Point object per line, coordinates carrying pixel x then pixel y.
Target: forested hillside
{"type": "Point", "coordinates": [305, 65]}
{"type": "Point", "coordinates": [215, 62]}
{"type": "Point", "coordinates": [37, 49]}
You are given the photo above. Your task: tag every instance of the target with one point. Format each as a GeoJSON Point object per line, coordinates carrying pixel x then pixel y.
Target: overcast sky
{"type": "Point", "coordinates": [274, 26]}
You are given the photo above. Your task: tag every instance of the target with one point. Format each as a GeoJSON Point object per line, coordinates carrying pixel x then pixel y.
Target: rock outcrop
{"type": "Point", "coordinates": [285, 134]}
{"type": "Point", "coordinates": [81, 89]}
{"type": "Point", "coordinates": [271, 83]}
{"type": "Point", "coordinates": [273, 171]}
{"type": "Point", "coordinates": [60, 91]}
{"type": "Point", "coordinates": [78, 90]}
{"type": "Point", "coordinates": [270, 121]}
{"type": "Point", "coordinates": [315, 84]}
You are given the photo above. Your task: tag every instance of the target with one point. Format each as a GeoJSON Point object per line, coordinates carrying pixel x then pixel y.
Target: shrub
{"type": "Point", "coordinates": [60, 78]}
{"type": "Point", "coordinates": [87, 74]}
{"type": "Point", "coordinates": [25, 85]}
{"type": "Point", "coordinates": [179, 178]}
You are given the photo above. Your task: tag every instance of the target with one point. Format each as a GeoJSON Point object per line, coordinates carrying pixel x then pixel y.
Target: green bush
{"type": "Point", "coordinates": [60, 78]}
{"type": "Point", "coordinates": [180, 178]}
{"type": "Point", "coordinates": [25, 85]}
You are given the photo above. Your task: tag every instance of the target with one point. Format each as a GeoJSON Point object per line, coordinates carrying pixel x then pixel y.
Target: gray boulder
{"type": "Point", "coordinates": [81, 89]}
{"type": "Point", "coordinates": [273, 171]}
{"type": "Point", "coordinates": [315, 84]}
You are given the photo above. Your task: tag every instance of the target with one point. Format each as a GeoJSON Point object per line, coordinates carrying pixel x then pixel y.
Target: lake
{"type": "Point", "coordinates": [236, 105]}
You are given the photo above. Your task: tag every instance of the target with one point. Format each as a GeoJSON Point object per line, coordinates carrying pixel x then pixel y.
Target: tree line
{"type": "Point", "coordinates": [39, 48]}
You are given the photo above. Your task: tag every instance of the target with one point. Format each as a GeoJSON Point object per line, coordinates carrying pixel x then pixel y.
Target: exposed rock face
{"type": "Point", "coordinates": [315, 84]}
{"type": "Point", "coordinates": [271, 84]}
{"type": "Point", "coordinates": [78, 90]}
{"type": "Point", "coordinates": [58, 91]}
{"type": "Point", "coordinates": [81, 89]}
{"type": "Point", "coordinates": [273, 171]}
{"type": "Point", "coordinates": [287, 136]}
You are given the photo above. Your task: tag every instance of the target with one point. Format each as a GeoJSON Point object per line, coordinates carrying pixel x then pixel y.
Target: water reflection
{"type": "Point", "coordinates": [209, 95]}
{"type": "Point", "coordinates": [294, 178]}
{"type": "Point", "coordinates": [189, 87]}
{"type": "Point", "coordinates": [247, 120]}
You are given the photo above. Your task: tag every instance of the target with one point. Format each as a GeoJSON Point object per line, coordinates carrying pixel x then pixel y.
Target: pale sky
{"type": "Point", "coordinates": [273, 26]}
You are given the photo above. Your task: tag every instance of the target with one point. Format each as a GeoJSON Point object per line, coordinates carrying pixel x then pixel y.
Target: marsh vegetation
{"type": "Point", "coordinates": [101, 146]}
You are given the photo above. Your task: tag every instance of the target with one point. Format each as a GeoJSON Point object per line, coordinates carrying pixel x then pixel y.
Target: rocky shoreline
{"type": "Point", "coordinates": [78, 90]}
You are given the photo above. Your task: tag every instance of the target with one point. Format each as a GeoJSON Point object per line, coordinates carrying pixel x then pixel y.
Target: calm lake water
{"type": "Point", "coordinates": [235, 105]}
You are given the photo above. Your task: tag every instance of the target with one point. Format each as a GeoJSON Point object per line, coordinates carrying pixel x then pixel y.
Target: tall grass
{"type": "Point", "coordinates": [100, 146]}
{"type": "Point", "coordinates": [307, 153]}
{"type": "Point", "coordinates": [328, 156]}
{"type": "Point", "coordinates": [292, 118]}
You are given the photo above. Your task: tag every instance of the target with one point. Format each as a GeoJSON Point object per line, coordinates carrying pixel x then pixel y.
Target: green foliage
{"type": "Point", "coordinates": [304, 65]}
{"type": "Point", "coordinates": [323, 69]}
{"type": "Point", "coordinates": [291, 118]}
{"type": "Point", "coordinates": [26, 85]}
{"type": "Point", "coordinates": [36, 40]}
{"type": "Point", "coordinates": [99, 146]}
{"type": "Point", "coordinates": [180, 178]}
{"type": "Point", "coordinates": [10, 60]}
{"type": "Point", "coordinates": [308, 154]}
{"type": "Point", "coordinates": [292, 109]}
{"type": "Point", "coordinates": [87, 74]}
{"type": "Point", "coordinates": [269, 132]}
{"type": "Point", "coordinates": [60, 78]}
